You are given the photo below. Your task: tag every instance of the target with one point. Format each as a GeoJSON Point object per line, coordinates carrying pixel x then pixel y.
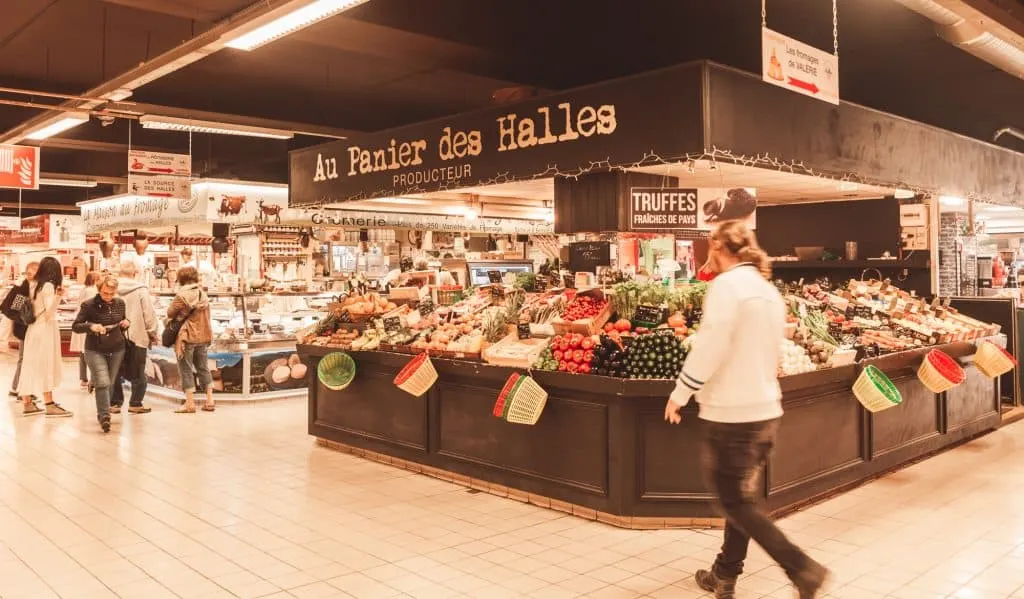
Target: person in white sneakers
{"type": "Point", "coordinates": [732, 371]}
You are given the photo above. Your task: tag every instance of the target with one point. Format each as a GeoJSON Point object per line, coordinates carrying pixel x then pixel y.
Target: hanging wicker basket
{"type": "Point", "coordinates": [336, 371]}
{"type": "Point", "coordinates": [418, 376]}
{"type": "Point", "coordinates": [875, 391]}
{"type": "Point", "coordinates": [940, 372]}
{"type": "Point", "coordinates": [525, 402]}
{"type": "Point", "coordinates": [500, 405]}
{"type": "Point", "coordinates": [992, 360]}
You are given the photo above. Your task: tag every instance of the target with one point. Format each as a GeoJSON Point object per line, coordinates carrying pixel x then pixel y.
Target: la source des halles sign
{"type": "Point", "coordinates": [613, 124]}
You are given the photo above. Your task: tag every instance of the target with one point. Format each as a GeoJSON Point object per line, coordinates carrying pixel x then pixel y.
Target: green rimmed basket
{"type": "Point", "coordinates": [875, 391]}
{"type": "Point", "coordinates": [336, 370]}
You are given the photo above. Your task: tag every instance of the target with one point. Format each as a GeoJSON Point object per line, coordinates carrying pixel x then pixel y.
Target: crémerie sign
{"type": "Point", "coordinates": [675, 208]}
{"type": "Point", "coordinates": [645, 119]}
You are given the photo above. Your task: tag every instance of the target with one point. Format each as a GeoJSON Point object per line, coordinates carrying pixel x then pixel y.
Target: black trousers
{"type": "Point", "coordinates": [732, 458]}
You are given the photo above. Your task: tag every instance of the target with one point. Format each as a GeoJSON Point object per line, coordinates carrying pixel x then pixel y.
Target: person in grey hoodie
{"type": "Point", "coordinates": [191, 306]}
{"type": "Point", "coordinates": [141, 334]}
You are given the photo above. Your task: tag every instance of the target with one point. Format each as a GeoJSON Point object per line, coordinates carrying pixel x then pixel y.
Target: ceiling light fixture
{"type": "Point", "coordinates": [951, 201]}
{"type": "Point", "coordinates": [903, 194]}
{"type": "Point", "coordinates": [67, 182]}
{"type": "Point", "coordinates": [848, 186]}
{"type": "Point", "coordinates": [166, 123]}
{"type": "Point", "coordinates": [68, 121]}
{"type": "Point", "coordinates": [291, 22]}
{"type": "Point", "coordinates": [471, 214]}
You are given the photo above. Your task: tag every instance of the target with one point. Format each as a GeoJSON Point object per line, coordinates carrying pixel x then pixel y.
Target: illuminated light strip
{"type": "Point", "coordinates": [291, 22]}
{"type": "Point", "coordinates": [162, 123]}
{"type": "Point", "coordinates": [68, 121]}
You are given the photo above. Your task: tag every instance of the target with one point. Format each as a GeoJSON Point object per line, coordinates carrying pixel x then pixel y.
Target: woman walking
{"type": "Point", "coordinates": [102, 320]}
{"type": "Point", "coordinates": [191, 307]}
{"type": "Point", "coordinates": [78, 339]}
{"type": "Point", "coordinates": [42, 362]}
{"type": "Point", "coordinates": [732, 371]}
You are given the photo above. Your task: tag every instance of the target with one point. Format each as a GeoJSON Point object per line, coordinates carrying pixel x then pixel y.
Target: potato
{"type": "Point", "coordinates": [298, 371]}
{"type": "Point", "coordinates": [281, 374]}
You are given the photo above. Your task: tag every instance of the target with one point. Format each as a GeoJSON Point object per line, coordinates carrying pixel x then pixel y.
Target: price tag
{"type": "Point", "coordinates": [864, 312]}
{"type": "Point", "coordinates": [426, 307]}
{"type": "Point", "coordinates": [494, 276]}
{"type": "Point", "coordinates": [870, 351]}
{"type": "Point", "coordinates": [392, 324]}
{"type": "Point", "coordinates": [569, 281]}
{"type": "Point", "coordinates": [523, 330]}
{"type": "Point", "coordinates": [851, 311]}
{"type": "Point", "coordinates": [649, 314]}
{"type": "Point", "coordinates": [835, 329]}
{"type": "Point", "coordinates": [665, 332]}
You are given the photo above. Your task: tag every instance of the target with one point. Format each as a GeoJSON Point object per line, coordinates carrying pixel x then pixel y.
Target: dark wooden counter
{"type": "Point", "coordinates": [602, 443]}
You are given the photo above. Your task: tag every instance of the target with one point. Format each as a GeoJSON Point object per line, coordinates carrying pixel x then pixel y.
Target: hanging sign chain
{"type": "Point", "coordinates": [764, 14]}
{"type": "Point", "coordinates": [835, 27]}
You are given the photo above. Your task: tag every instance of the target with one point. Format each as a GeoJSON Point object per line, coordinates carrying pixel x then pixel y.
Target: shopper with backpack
{"type": "Point", "coordinates": [11, 307]}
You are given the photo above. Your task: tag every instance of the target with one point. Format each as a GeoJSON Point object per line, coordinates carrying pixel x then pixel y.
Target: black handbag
{"type": "Point", "coordinates": [17, 306]}
{"type": "Point", "coordinates": [172, 329]}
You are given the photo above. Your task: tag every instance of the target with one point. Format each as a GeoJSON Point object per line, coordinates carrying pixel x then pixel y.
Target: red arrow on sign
{"type": "Point", "coordinates": [811, 87]}
{"type": "Point", "coordinates": [161, 170]}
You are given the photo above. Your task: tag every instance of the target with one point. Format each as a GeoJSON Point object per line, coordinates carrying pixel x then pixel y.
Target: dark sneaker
{"type": "Point", "coordinates": [32, 410]}
{"type": "Point", "coordinates": [115, 409]}
{"type": "Point", "coordinates": [139, 410]}
{"type": "Point", "coordinates": [811, 582]}
{"type": "Point", "coordinates": [105, 423]}
{"type": "Point", "coordinates": [723, 588]}
{"type": "Point", "coordinates": [53, 410]}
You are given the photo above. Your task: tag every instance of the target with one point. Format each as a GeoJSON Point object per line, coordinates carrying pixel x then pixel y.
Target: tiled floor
{"type": "Point", "coordinates": [241, 503]}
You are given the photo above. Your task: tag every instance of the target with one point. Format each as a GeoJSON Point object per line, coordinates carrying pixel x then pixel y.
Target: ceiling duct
{"type": "Point", "coordinates": [970, 35]}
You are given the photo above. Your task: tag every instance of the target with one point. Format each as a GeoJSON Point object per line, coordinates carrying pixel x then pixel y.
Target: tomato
{"type": "Point", "coordinates": [587, 343]}
{"type": "Point", "coordinates": [609, 327]}
{"type": "Point", "coordinates": [575, 343]}
{"type": "Point", "coordinates": [588, 356]}
{"type": "Point", "coordinates": [573, 367]}
{"type": "Point", "coordinates": [577, 356]}
{"type": "Point", "coordinates": [623, 325]}
{"type": "Point", "coordinates": [585, 368]}
{"type": "Point", "coordinates": [563, 346]}
{"type": "Point", "coordinates": [563, 366]}
{"type": "Point", "coordinates": [558, 355]}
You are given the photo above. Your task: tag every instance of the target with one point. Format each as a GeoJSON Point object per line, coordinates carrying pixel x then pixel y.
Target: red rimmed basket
{"type": "Point", "coordinates": [992, 360]}
{"type": "Point", "coordinates": [418, 376]}
{"type": "Point", "coordinates": [525, 402]}
{"type": "Point", "coordinates": [940, 372]}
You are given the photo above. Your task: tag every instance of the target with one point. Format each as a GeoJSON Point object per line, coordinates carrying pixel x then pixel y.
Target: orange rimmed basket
{"type": "Point", "coordinates": [418, 376]}
{"type": "Point", "coordinates": [940, 372]}
{"type": "Point", "coordinates": [992, 360]}
{"type": "Point", "coordinates": [875, 391]}
{"type": "Point", "coordinates": [525, 402]}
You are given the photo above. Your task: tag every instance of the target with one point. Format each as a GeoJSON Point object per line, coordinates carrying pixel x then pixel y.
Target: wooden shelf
{"type": "Point", "coordinates": [847, 264]}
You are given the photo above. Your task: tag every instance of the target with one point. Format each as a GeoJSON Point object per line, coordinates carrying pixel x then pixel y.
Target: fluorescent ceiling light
{"type": "Point", "coordinates": [903, 194]}
{"type": "Point", "coordinates": [166, 123]}
{"type": "Point", "coordinates": [951, 201]}
{"type": "Point", "coordinates": [1001, 209]}
{"type": "Point", "coordinates": [67, 121]}
{"type": "Point", "coordinates": [67, 182]}
{"type": "Point", "coordinates": [300, 18]}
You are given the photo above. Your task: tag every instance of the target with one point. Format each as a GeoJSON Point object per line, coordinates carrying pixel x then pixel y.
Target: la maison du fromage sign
{"type": "Point", "coordinates": [619, 123]}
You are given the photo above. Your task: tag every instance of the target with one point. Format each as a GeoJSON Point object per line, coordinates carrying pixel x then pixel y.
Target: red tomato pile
{"type": "Point", "coordinates": [574, 352]}
{"type": "Point", "coordinates": [583, 306]}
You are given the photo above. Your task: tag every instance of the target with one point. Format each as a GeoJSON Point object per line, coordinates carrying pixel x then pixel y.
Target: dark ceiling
{"type": "Point", "coordinates": [393, 62]}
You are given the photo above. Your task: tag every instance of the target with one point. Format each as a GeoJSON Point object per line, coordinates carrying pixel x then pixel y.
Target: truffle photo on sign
{"type": "Point", "coordinates": [739, 203]}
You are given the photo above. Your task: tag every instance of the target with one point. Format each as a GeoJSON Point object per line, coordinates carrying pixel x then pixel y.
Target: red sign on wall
{"type": "Point", "coordinates": [19, 167]}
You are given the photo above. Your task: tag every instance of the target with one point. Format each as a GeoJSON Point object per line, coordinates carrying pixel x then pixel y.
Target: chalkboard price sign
{"type": "Point", "coordinates": [523, 330]}
{"type": "Point", "coordinates": [649, 314]}
{"type": "Point", "coordinates": [494, 276]}
{"type": "Point", "coordinates": [568, 281]}
{"type": "Point", "coordinates": [426, 307]}
{"type": "Point", "coordinates": [586, 256]}
{"type": "Point", "coordinates": [864, 312]}
{"type": "Point", "coordinates": [392, 324]}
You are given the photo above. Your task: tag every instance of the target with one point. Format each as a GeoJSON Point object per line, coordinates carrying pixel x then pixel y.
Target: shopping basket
{"type": "Point", "coordinates": [418, 376]}
{"type": "Point", "coordinates": [992, 360]}
{"type": "Point", "coordinates": [939, 372]}
{"type": "Point", "coordinates": [875, 391]}
{"type": "Point", "coordinates": [336, 370]}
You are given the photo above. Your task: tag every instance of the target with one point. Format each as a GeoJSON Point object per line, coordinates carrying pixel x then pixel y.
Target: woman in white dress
{"type": "Point", "coordinates": [42, 344]}
{"type": "Point", "coordinates": [78, 339]}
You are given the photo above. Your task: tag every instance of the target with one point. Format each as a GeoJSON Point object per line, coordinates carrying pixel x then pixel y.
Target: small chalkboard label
{"type": "Point", "coordinates": [864, 312]}
{"type": "Point", "coordinates": [665, 332]}
{"type": "Point", "coordinates": [835, 329]}
{"type": "Point", "coordinates": [426, 307]}
{"type": "Point", "coordinates": [586, 256]}
{"type": "Point", "coordinates": [649, 314]}
{"type": "Point", "coordinates": [494, 276]}
{"type": "Point", "coordinates": [568, 281]}
{"type": "Point", "coordinates": [392, 323]}
{"type": "Point", "coordinates": [870, 351]}
{"type": "Point", "coordinates": [523, 330]}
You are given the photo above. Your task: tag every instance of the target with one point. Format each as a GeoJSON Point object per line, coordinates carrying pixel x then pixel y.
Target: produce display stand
{"type": "Point", "coordinates": [599, 449]}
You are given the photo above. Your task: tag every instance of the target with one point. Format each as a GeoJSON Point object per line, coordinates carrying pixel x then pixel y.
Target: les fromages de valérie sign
{"type": "Point", "coordinates": [616, 123]}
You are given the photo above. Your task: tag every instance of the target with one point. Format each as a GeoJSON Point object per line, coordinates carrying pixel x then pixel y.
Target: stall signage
{"type": "Point", "coordinates": [680, 208]}
{"type": "Point", "coordinates": [66, 231]}
{"type": "Point", "coordinates": [649, 314]}
{"type": "Point", "coordinates": [130, 211]}
{"type": "Point", "coordinates": [392, 324]}
{"type": "Point", "coordinates": [160, 186]}
{"type": "Point", "coordinates": [159, 163]}
{"type": "Point", "coordinates": [32, 230]}
{"type": "Point", "coordinates": [10, 223]}
{"type": "Point", "coordinates": [494, 276]}
{"type": "Point", "coordinates": [798, 67]}
{"type": "Point", "coordinates": [523, 330]}
{"type": "Point", "coordinates": [19, 167]}
{"type": "Point", "coordinates": [422, 222]}
{"type": "Point", "coordinates": [241, 203]}
{"type": "Point", "coordinates": [619, 123]}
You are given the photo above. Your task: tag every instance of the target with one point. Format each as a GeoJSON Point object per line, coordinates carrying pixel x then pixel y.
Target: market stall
{"type": "Point", "coordinates": [557, 396]}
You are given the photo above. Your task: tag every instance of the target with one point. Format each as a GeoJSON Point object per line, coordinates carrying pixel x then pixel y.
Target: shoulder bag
{"type": "Point", "coordinates": [172, 329]}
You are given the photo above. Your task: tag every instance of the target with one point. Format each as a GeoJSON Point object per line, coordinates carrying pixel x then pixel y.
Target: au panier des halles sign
{"type": "Point", "coordinates": [648, 118]}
